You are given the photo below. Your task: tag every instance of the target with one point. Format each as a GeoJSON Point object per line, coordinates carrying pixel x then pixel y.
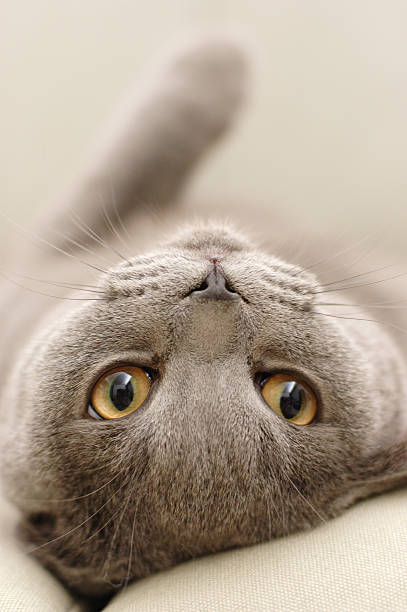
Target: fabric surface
{"type": "Point", "coordinates": [356, 562]}
{"type": "Point", "coordinates": [24, 585]}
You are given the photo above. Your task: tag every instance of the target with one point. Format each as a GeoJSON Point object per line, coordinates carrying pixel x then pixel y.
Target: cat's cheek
{"type": "Point", "coordinates": [39, 526]}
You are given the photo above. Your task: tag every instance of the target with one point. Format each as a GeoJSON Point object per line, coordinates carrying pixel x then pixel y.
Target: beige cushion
{"type": "Point", "coordinates": [355, 562]}
{"type": "Point", "coordinates": [24, 585]}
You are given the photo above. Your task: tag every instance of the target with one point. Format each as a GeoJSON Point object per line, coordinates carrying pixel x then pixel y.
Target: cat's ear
{"type": "Point", "coordinates": [384, 470]}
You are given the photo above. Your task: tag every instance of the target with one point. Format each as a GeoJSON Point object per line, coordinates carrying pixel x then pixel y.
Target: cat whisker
{"type": "Point", "coordinates": [373, 305]}
{"type": "Point", "coordinates": [368, 237]}
{"type": "Point", "coordinates": [152, 210]}
{"type": "Point", "coordinates": [63, 535]}
{"type": "Point", "coordinates": [118, 217]}
{"type": "Point", "coordinates": [57, 297]}
{"type": "Point", "coordinates": [323, 519]}
{"type": "Point", "coordinates": [379, 479]}
{"type": "Point", "coordinates": [386, 302]}
{"type": "Point", "coordinates": [72, 499]}
{"type": "Point", "coordinates": [325, 314]}
{"type": "Point", "coordinates": [64, 285]}
{"type": "Point", "coordinates": [127, 579]}
{"type": "Point", "coordinates": [303, 240]}
{"type": "Point", "coordinates": [84, 248]}
{"type": "Point", "coordinates": [87, 230]}
{"type": "Point", "coordinates": [343, 280]}
{"type": "Point", "coordinates": [271, 501]}
{"type": "Point", "coordinates": [362, 255]}
{"type": "Point", "coordinates": [356, 286]}
{"type": "Point", "coordinates": [42, 240]}
{"type": "Point", "coordinates": [103, 526]}
{"type": "Point", "coordinates": [106, 565]}
{"type": "Point", "coordinates": [105, 569]}
{"type": "Point", "coordinates": [335, 255]}
{"type": "Point", "coordinates": [114, 231]}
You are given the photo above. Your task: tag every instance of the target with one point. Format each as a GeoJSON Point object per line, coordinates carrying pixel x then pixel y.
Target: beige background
{"type": "Point", "coordinates": [324, 137]}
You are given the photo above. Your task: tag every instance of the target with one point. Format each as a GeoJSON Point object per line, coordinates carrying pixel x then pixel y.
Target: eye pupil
{"type": "Point", "coordinates": [291, 399]}
{"type": "Point", "coordinates": [121, 391]}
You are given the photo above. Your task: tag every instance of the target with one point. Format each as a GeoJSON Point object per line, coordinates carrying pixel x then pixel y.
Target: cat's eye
{"type": "Point", "coordinates": [119, 392]}
{"type": "Point", "coordinates": [290, 398]}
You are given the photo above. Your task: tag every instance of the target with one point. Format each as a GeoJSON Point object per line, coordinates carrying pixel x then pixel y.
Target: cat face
{"type": "Point", "coordinates": [205, 462]}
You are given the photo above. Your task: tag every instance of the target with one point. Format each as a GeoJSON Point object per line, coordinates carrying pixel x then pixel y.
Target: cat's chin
{"type": "Point", "coordinates": [84, 579]}
{"type": "Point", "coordinates": [88, 580]}
{"type": "Point", "coordinates": [92, 578]}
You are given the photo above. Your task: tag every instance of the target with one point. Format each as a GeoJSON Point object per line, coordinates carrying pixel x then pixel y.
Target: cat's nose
{"type": "Point", "coordinates": [215, 287]}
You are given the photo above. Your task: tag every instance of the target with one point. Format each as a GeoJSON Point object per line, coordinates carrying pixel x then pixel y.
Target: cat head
{"type": "Point", "coordinates": [246, 413]}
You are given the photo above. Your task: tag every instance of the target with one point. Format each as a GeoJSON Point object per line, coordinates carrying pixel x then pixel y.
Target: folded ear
{"type": "Point", "coordinates": [383, 471]}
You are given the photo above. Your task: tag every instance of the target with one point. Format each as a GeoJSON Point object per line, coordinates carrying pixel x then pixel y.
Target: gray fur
{"type": "Point", "coordinates": [204, 464]}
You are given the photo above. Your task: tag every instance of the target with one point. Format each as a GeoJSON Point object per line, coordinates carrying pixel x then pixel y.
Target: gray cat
{"type": "Point", "coordinates": [208, 400]}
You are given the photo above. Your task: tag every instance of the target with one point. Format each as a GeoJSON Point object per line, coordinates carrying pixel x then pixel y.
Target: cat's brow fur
{"type": "Point", "coordinates": [204, 464]}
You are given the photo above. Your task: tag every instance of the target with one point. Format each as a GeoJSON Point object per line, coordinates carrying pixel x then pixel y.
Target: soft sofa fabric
{"type": "Point", "coordinates": [24, 585]}
{"type": "Point", "coordinates": [357, 562]}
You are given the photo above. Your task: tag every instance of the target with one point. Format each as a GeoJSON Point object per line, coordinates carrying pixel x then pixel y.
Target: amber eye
{"type": "Point", "coordinates": [291, 399]}
{"type": "Point", "coordinates": [119, 392]}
